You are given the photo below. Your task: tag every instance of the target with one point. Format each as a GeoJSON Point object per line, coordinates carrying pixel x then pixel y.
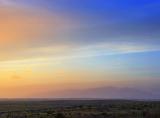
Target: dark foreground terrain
{"type": "Point", "coordinates": [79, 109]}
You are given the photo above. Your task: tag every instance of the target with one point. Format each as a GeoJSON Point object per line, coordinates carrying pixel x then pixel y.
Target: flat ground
{"type": "Point", "coordinates": [79, 109]}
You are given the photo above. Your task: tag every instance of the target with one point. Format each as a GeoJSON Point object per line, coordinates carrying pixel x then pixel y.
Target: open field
{"type": "Point", "coordinates": [79, 109]}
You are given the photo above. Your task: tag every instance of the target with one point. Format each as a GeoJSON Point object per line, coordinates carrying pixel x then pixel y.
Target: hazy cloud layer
{"type": "Point", "coordinates": [24, 26]}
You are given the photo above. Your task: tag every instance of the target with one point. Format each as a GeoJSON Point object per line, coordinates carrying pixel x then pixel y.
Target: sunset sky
{"type": "Point", "coordinates": [80, 49]}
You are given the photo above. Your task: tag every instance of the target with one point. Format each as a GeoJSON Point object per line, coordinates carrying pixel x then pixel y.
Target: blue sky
{"type": "Point", "coordinates": [109, 42]}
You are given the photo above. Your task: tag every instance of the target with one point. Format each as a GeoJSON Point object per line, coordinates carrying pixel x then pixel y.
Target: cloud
{"type": "Point", "coordinates": [18, 24]}
{"type": "Point", "coordinates": [33, 33]}
{"type": "Point", "coordinates": [59, 53]}
{"type": "Point", "coordinates": [24, 28]}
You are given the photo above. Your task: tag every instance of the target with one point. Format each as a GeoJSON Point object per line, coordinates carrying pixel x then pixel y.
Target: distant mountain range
{"type": "Point", "coordinates": [110, 93]}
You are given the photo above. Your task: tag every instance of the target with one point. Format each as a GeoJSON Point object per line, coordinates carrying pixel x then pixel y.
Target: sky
{"type": "Point", "coordinates": [80, 49]}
